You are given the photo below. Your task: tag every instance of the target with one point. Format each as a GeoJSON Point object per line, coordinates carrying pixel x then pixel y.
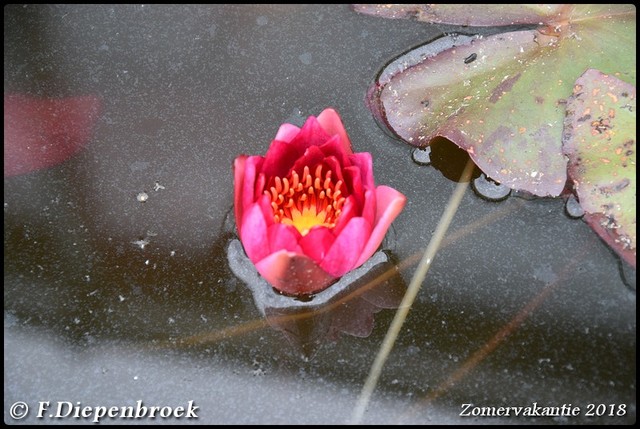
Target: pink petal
{"type": "Point", "coordinates": [349, 210]}
{"type": "Point", "coordinates": [346, 250]}
{"type": "Point", "coordinates": [311, 134]}
{"type": "Point", "coordinates": [317, 242]}
{"type": "Point", "coordinates": [43, 132]}
{"type": "Point", "coordinates": [280, 157]}
{"type": "Point", "coordinates": [332, 124]}
{"type": "Point", "coordinates": [283, 237]}
{"type": "Point", "coordinates": [252, 167]}
{"type": "Point", "coordinates": [244, 171]}
{"type": "Point", "coordinates": [335, 166]}
{"type": "Point", "coordinates": [267, 211]}
{"type": "Point", "coordinates": [253, 233]}
{"type": "Point", "coordinates": [364, 161]}
{"type": "Point", "coordinates": [287, 132]}
{"type": "Point", "coordinates": [370, 206]}
{"type": "Point", "coordinates": [333, 147]}
{"type": "Point", "coordinates": [312, 157]}
{"type": "Point", "coordinates": [353, 183]}
{"type": "Point", "coordinates": [238, 184]}
{"type": "Point", "coordinates": [282, 154]}
{"type": "Point", "coordinates": [293, 274]}
{"type": "Point", "coordinates": [389, 204]}
{"type": "Point", "coordinates": [261, 182]}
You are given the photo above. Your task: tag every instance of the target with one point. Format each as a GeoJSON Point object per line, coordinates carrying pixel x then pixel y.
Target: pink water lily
{"type": "Point", "coordinates": [309, 211]}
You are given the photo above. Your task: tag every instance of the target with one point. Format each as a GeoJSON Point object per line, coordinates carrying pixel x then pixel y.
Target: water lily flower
{"type": "Point", "coordinates": [309, 211]}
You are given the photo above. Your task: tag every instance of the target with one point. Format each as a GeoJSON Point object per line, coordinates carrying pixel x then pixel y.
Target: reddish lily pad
{"type": "Point", "coordinates": [502, 97]}
{"type": "Point", "coordinates": [600, 141]}
{"type": "Point", "coordinates": [465, 14]}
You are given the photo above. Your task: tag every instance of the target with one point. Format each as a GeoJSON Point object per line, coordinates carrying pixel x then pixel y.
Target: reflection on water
{"type": "Point", "coordinates": [43, 132]}
{"type": "Point", "coordinates": [348, 306]}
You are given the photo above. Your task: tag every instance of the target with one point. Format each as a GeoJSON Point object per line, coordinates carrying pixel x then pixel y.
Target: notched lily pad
{"type": "Point", "coordinates": [502, 97]}
{"type": "Point", "coordinates": [600, 141]}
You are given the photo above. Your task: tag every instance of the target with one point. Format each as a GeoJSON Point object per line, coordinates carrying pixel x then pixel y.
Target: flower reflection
{"type": "Point", "coordinates": [348, 307]}
{"type": "Point", "coordinates": [43, 132]}
{"type": "Point", "coordinates": [309, 212]}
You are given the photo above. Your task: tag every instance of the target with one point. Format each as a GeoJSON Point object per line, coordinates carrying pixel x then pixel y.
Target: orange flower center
{"type": "Point", "coordinates": [306, 201]}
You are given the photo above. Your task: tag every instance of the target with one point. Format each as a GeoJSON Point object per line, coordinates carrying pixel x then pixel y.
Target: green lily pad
{"type": "Point", "coordinates": [600, 141]}
{"type": "Point", "coordinates": [502, 97]}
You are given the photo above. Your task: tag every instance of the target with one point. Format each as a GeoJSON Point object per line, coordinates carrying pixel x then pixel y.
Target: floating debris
{"type": "Point", "coordinates": [141, 243]}
{"type": "Point", "coordinates": [471, 58]}
{"type": "Point", "coordinates": [142, 197]}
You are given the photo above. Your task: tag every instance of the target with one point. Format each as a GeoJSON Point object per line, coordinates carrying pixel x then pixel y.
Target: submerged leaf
{"type": "Point", "coordinates": [600, 141]}
{"type": "Point", "coordinates": [502, 97]}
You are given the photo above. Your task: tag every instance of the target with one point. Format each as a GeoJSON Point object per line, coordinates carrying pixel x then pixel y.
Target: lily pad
{"type": "Point", "coordinates": [502, 97]}
{"type": "Point", "coordinates": [465, 14]}
{"type": "Point", "coordinates": [600, 141]}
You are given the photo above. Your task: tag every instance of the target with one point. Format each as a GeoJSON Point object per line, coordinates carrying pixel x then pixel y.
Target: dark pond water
{"type": "Point", "coordinates": [117, 279]}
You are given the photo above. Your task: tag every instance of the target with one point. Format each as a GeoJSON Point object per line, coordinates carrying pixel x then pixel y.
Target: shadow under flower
{"type": "Point", "coordinates": [347, 306]}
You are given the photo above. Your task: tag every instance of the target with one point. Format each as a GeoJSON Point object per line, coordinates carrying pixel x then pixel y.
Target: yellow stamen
{"type": "Point", "coordinates": [306, 201]}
